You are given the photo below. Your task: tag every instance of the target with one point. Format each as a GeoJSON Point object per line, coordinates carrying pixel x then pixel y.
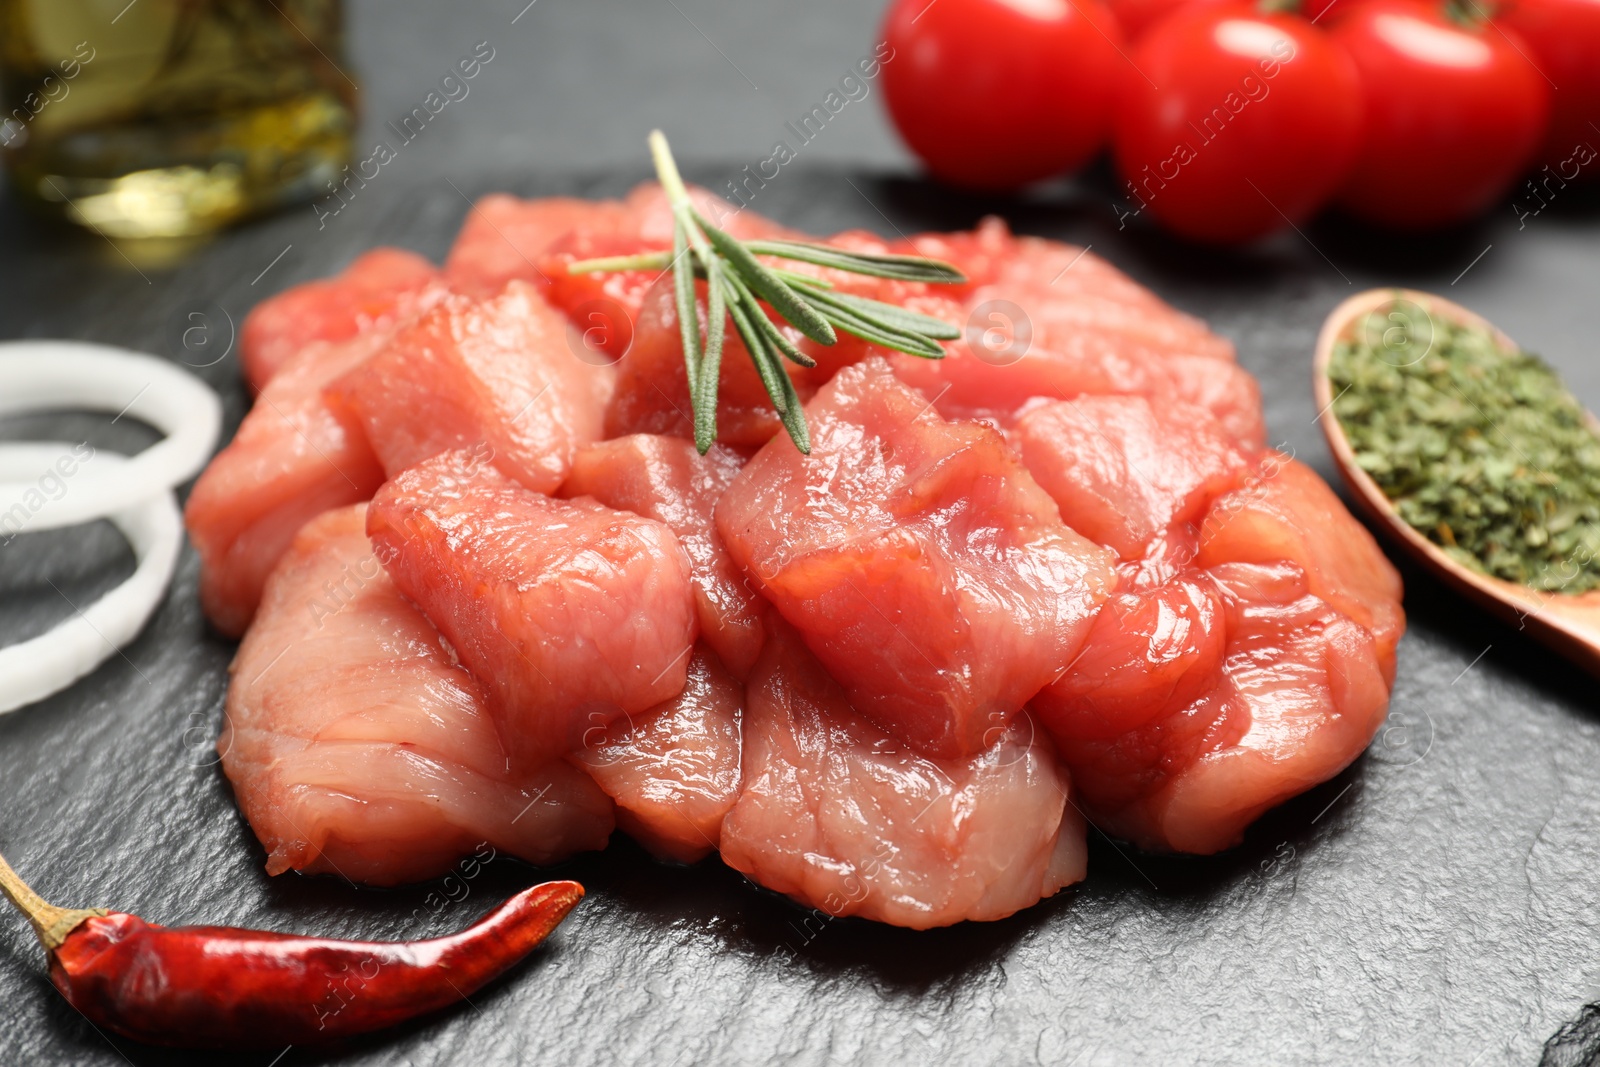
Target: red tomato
{"type": "Point", "coordinates": [993, 94]}
{"type": "Point", "coordinates": [1241, 121]}
{"type": "Point", "coordinates": [1137, 17]}
{"type": "Point", "coordinates": [1317, 10]}
{"type": "Point", "coordinates": [1563, 37]}
{"type": "Point", "coordinates": [1454, 114]}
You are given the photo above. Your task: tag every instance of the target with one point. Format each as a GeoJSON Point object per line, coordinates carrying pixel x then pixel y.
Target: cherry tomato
{"type": "Point", "coordinates": [1240, 122]}
{"type": "Point", "coordinates": [1317, 10]}
{"type": "Point", "coordinates": [1137, 17]}
{"type": "Point", "coordinates": [1563, 37]}
{"type": "Point", "coordinates": [993, 94]}
{"type": "Point", "coordinates": [1453, 113]}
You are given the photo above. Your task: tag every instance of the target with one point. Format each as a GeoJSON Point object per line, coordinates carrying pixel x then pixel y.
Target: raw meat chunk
{"type": "Point", "coordinates": [978, 253]}
{"type": "Point", "coordinates": [939, 301]}
{"type": "Point", "coordinates": [1052, 321]}
{"type": "Point", "coordinates": [607, 307]}
{"type": "Point", "coordinates": [986, 382]}
{"type": "Point", "coordinates": [1067, 291]}
{"type": "Point", "coordinates": [495, 372]}
{"type": "Point", "coordinates": [1000, 384]}
{"type": "Point", "coordinates": [653, 393]}
{"type": "Point", "coordinates": [664, 478]}
{"type": "Point", "coordinates": [1070, 554]}
{"type": "Point", "coordinates": [920, 561]}
{"type": "Point", "coordinates": [298, 453]}
{"type": "Point", "coordinates": [841, 817]}
{"type": "Point", "coordinates": [569, 613]}
{"type": "Point", "coordinates": [674, 769]}
{"type": "Point", "coordinates": [1286, 512]}
{"type": "Point", "coordinates": [1224, 389]}
{"type": "Point", "coordinates": [604, 308]}
{"type": "Point", "coordinates": [653, 390]}
{"type": "Point", "coordinates": [358, 748]}
{"type": "Point", "coordinates": [1123, 469]}
{"type": "Point", "coordinates": [504, 237]}
{"type": "Point", "coordinates": [379, 288]}
{"type": "Point", "coordinates": [1298, 697]}
{"type": "Point", "coordinates": [1315, 695]}
{"type": "Point", "coordinates": [1149, 652]}
{"type": "Point", "coordinates": [1258, 668]}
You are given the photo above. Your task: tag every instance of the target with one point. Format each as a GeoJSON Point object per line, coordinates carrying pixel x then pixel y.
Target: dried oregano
{"type": "Point", "coordinates": [1483, 451]}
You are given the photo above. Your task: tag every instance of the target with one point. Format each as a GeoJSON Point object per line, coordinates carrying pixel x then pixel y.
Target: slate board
{"type": "Point", "coordinates": [1431, 904]}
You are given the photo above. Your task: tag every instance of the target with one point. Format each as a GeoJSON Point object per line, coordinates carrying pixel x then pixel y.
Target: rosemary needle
{"type": "Point", "coordinates": [737, 284]}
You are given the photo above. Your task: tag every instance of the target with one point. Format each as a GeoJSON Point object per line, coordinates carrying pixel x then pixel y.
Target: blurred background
{"type": "Point", "coordinates": [584, 82]}
{"type": "Point", "coordinates": [571, 89]}
{"type": "Point", "coordinates": [566, 87]}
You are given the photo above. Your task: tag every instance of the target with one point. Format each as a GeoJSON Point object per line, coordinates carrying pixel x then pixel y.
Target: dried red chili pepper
{"type": "Point", "coordinates": [219, 987]}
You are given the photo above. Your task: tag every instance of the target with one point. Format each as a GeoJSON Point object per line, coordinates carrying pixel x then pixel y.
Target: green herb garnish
{"type": "Point", "coordinates": [741, 287]}
{"type": "Point", "coordinates": [1484, 451]}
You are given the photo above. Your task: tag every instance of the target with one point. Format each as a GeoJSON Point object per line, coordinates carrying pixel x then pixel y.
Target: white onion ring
{"type": "Point", "coordinates": [34, 669]}
{"type": "Point", "coordinates": [64, 375]}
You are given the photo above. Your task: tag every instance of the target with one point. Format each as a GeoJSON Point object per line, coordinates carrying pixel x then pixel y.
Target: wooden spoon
{"type": "Point", "coordinates": [1568, 623]}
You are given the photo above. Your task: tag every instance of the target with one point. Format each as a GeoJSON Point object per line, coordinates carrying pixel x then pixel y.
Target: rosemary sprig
{"type": "Point", "coordinates": [740, 288]}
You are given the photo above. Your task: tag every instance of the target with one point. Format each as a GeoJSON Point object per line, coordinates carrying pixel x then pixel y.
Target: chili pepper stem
{"type": "Point", "coordinates": [50, 923]}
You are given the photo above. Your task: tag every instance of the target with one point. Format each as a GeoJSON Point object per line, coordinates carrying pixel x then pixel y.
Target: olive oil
{"type": "Point", "coordinates": [165, 118]}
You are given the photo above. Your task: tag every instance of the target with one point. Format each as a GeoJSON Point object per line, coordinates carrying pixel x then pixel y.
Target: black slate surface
{"type": "Point", "coordinates": [1434, 903]}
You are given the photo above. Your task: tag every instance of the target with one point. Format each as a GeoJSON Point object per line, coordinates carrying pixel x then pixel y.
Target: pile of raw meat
{"type": "Point", "coordinates": [488, 590]}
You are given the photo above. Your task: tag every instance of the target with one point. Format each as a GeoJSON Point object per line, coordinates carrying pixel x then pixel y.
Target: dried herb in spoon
{"type": "Point", "coordinates": [741, 287]}
{"type": "Point", "coordinates": [1484, 451]}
